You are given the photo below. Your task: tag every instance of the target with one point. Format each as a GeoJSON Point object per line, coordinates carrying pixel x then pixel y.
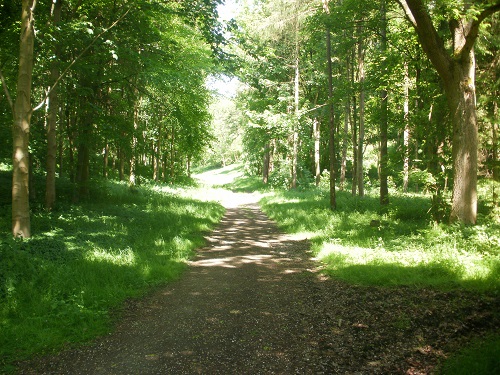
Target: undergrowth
{"type": "Point", "coordinates": [62, 285]}
{"type": "Point", "coordinates": [481, 357]}
{"type": "Point", "coordinates": [400, 246]}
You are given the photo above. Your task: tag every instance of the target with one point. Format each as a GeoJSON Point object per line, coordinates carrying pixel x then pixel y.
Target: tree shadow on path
{"type": "Point", "coordinates": [252, 302]}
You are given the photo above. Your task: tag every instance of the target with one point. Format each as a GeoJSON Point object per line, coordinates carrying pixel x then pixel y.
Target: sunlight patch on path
{"type": "Point", "coordinates": [222, 176]}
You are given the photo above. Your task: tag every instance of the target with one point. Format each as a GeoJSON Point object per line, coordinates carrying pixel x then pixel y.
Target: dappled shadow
{"type": "Point", "coordinates": [252, 303]}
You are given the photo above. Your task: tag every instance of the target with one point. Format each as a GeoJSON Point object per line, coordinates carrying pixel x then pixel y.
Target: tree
{"type": "Point", "coordinates": [384, 190]}
{"type": "Point", "coordinates": [457, 70]}
{"type": "Point", "coordinates": [53, 104]}
{"type": "Point", "coordinates": [21, 225]}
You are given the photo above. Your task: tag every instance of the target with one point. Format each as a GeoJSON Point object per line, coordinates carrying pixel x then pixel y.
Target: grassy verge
{"type": "Point", "coordinates": [400, 247]}
{"type": "Point", "coordinates": [61, 286]}
{"type": "Point", "coordinates": [481, 357]}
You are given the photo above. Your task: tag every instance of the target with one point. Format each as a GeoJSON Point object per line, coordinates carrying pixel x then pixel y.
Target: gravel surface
{"type": "Point", "coordinates": [253, 302]}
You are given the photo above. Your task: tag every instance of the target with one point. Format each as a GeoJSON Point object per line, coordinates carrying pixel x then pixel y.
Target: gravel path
{"type": "Point", "coordinates": [252, 303]}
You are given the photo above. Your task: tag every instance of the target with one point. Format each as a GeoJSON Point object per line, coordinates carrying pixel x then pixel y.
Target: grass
{"type": "Point", "coordinates": [64, 285]}
{"type": "Point", "coordinates": [481, 357]}
{"type": "Point", "coordinates": [401, 246]}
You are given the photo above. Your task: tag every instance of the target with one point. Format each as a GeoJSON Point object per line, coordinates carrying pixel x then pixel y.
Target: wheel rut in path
{"type": "Point", "coordinates": [240, 308]}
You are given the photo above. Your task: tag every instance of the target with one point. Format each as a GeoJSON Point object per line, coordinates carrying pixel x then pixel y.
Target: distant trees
{"type": "Point", "coordinates": [393, 108]}
{"type": "Point", "coordinates": [121, 88]}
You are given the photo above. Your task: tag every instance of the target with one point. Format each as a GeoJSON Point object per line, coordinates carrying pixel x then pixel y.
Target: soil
{"type": "Point", "coordinates": [254, 301]}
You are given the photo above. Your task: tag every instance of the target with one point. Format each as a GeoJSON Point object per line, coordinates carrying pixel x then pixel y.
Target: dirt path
{"type": "Point", "coordinates": [252, 303]}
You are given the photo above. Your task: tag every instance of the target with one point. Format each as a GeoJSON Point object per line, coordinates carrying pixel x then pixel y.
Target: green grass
{"type": "Point", "coordinates": [401, 246]}
{"type": "Point", "coordinates": [482, 357]}
{"type": "Point", "coordinates": [65, 283]}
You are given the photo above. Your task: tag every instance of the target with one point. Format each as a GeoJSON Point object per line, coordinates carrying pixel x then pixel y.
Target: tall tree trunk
{"type": "Point", "coordinates": [296, 121]}
{"type": "Point", "coordinates": [266, 164]}
{"type": "Point", "coordinates": [458, 74]}
{"type": "Point", "coordinates": [461, 97]}
{"type": "Point", "coordinates": [317, 140]}
{"type": "Point", "coordinates": [406, 133]}
{"type": "Point", "coordinates": [331, 114]}
{"type": "Point", "coordinates": [331, 121]}
{"type": "Point", "coordinates": [354, 139]}
{"type": "Point", "coordinates": [133, 157]}
{"type": "Point", "coordinates": [347, 111]}
{"type": "Point", "coordinates": [361, 135]}
{"type": "Point", "coordinates": [121, 164]}
{"type": "Point", "coordinates": [383, 174]}
{"type": "Point", "coordinates": [21, 225]}
{"type": "Point", "coordinates": [105, 162]}
{"type": "Point", "coordinates": [53, 100]}
{"type": "Point", "coordinates": [60, 153]}
{"type": "Point", "coordinates": [494, 130]}
{"type": "Point", "coordinates": [172, 155]}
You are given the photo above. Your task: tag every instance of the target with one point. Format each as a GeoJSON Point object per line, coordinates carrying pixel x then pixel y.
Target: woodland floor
{"type": "Point", "coordinates": [254, 302]}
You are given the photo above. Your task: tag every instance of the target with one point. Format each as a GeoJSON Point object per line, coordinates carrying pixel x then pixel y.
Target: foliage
{"type": "Point", "coordinates": [64, 284]}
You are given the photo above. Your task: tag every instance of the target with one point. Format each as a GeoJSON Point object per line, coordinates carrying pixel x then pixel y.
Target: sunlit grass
{"type": "Point", "coordinates": [62, 285]}
{"type": "Point", "coordinates": [399, 246]}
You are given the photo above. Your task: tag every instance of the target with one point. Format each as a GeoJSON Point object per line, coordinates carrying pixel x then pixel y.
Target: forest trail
{"type": "Point", "coordinates": [252, 302]}
{"type": "Point", "coordinates": [242, 307]}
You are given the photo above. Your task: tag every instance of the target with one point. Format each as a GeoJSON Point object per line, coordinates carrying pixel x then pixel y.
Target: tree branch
{"type": "Point", "coordinates": [409, 15]}
{"type": "Point", "coordinates": [65, 71]}
{"type": "Point", "coordinates": [431, 42]}
{"type": "Point", "coordinates": [6, 89]}
{"type": "Point", "coordinates": [471, 36]}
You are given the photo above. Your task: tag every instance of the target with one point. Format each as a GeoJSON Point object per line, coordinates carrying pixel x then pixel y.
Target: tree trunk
{"type": "Point", "coordinates": [105, 162]}
{"type": "Point", "coordinates": [295, 132]}
{"type": "Point", "coordinates": [121, 164]}
{"type": "Point", "coordinates": [317, 139]}
{"type": "Point", "coordinates": [266, 164]}
{"type": "Point", "coordinates": [347, 112]}
{"type": "Point", "coordinates": [133, 156]}
{"type": "Point", "coordinates": [354, 138]}
{"type": "Point", "coordinates": [461, 97]}
{"type": "Point", "coordinates": [494, 130]}
{"type": "Point", "coordinates": [361, 135]}
{"type": "Point", "coordinates": [50, 183]}
{"type": "Point", "coordinates": [383, 173]}
{"type": "Point", "coordinates": [406, 133]}
{"type": "Point", "coordinates": [21, 225]}
{"type": "Point", "coordinates": [331, 121]}
{"type": "Point", "coordinates": [458, 74]}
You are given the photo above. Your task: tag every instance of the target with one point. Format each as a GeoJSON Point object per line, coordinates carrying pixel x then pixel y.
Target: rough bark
{"type": "Point", "coordinates": [494, 130]}
{"type": "Point", "coordinates": [462, 104]}
{"type": "Point", "coordinates": [458, 74]}
{"type": "Point", "coordinates": [21, 225]}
